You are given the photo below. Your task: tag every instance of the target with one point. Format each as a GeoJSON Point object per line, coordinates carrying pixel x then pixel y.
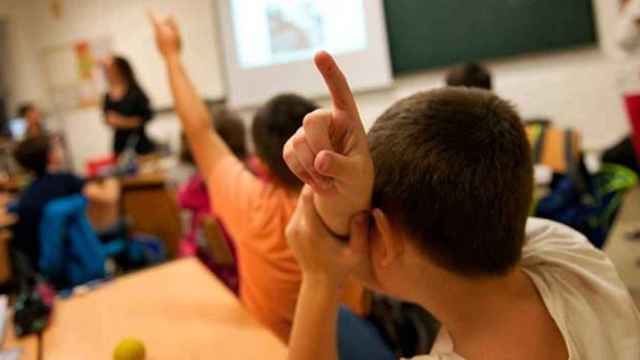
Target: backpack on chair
{"type": "Point", "coordinates": [586, 202]}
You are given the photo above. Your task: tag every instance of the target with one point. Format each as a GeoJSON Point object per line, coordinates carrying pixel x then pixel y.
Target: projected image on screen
{"type": "Point", "coordinates": [294, 27]}
{"type": "Point", "coordinates": [270, 32]}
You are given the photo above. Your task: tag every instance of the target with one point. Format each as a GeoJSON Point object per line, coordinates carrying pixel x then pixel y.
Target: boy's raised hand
{"type": "Point", "coordinates": [167, 34]}
{"type": "Point", "coordinates": [331, 153]}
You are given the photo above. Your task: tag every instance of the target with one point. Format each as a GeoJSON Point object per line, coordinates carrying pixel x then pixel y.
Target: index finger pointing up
{"type": "Point", "coordinates": [336, 82]}
{"type": "Point", "coordinates": [153, 17]}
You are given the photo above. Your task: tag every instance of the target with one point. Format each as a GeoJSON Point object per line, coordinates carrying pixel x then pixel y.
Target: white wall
{"type": "Point", "coordinates": [24, 77]}
{"type": "Point", "coordinates": [574, 88]}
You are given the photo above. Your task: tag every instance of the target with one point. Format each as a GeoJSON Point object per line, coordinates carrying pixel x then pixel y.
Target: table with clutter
{"type": "Point", "coordinates": [178, 310]}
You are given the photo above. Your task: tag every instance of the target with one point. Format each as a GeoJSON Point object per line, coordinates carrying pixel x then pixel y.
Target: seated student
{"type": "Point", "coordinates": [43, 157]}
{"type": "Point", "coordinates": [449, 231]}
{"type": "Point", "coordinates": [34, 125]}
{"type": "Point", "coordinates": [193, 195]}
{"type": "Point", "coordinates": [253, 211]}
{"type": "Point", "coordinates": [550, 142]}
{"type": "Point", "coordinates": [470, 75]}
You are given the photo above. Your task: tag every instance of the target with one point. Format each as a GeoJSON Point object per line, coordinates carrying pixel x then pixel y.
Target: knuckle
{"type": "Point", "coordinates": [299, 140]}
{"type": "Point", "coordinates": [287, 155]}
{"type": "Point", "coordinates": [317, 117]}
{"type": "Point", "coordinates": [309, 119]}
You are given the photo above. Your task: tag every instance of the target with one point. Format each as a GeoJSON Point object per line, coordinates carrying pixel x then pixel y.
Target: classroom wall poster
{"type": "Point", "coordinates": [74, 76]}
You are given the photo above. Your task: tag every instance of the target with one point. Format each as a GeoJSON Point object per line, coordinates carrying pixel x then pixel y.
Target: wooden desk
{"type": "Point", "coordinates": [28, 344]}
{"type": "Point", "coordinates": [148, 180]}
{"type": "Point", "coordinates": [152, 206]}
{"type": "Point", "coordinates": [179, 311]}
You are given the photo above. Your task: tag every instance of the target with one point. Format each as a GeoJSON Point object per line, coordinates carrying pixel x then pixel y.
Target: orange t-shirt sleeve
{"type": "Point", "coordinates": [232, 190]}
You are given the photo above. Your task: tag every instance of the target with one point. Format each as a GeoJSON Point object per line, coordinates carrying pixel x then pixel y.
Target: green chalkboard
{"type": "Point", "coordinates": [432, 33]}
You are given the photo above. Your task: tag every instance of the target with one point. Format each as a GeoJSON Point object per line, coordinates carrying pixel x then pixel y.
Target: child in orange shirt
{"type": "Point", "coordinates": [254, 212]}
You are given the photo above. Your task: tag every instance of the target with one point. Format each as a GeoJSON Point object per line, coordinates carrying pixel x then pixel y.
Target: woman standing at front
{"type": "Point", "coordinates": [126, 108]}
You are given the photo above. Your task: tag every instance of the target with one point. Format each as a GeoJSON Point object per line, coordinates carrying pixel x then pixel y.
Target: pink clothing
{"type": "Point", "coordinates": [193, 196]}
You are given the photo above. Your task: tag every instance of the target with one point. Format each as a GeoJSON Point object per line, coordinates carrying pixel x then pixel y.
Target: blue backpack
{"type": "Point", "coordinates": [590, 206]}
{"type": "Point", "coordinates": [70, 252]}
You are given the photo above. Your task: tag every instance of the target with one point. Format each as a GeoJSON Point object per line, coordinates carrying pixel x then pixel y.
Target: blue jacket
{"type": "Point", "coordinates": [70, 252]}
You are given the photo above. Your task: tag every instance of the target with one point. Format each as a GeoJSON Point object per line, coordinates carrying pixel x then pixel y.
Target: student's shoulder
{"type": "Point", "coordinates": [569, 273]}
{"type": "Point", "coordinates": [546, 236]}
{"type": "Point", "coordinates": [554, 246]}
{"type": "Point", "coordinates": [564, 260]}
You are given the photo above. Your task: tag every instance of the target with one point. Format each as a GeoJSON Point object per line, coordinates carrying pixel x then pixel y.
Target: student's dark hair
{"type": "Point", "coordinates": [453, 168]}
{"type": "Point", "coordinates": [126, 71]}
{"type": "Point", "coordinates": [471, 75]}
{"type": "Point", "coordinates": [33, 154]}
{"type": "Point", "coordinates": [274, 123]}
{"type": "Point", "coordinates": [230, 127]}
{"type": "Point", "coordinates": [24, 108]}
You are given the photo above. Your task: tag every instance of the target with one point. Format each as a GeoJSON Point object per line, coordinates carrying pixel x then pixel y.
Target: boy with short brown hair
{"type": "Point", "coordinates": [449, 231]}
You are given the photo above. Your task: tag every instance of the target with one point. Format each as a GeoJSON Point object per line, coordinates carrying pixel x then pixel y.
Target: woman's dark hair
{"type": "Point", "coordinates": [126, 71]}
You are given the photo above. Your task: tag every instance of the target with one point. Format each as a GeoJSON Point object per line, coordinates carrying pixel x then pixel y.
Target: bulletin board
{"type": "Point", "coordinates": [73, 76]}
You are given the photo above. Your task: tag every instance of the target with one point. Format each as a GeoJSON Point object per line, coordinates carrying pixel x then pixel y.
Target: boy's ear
{"type": "Point", "coordinates": [391, 246]}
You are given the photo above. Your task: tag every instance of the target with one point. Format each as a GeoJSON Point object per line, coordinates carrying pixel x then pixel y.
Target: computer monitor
{"type": "Point", "coordinates": [17, 128]}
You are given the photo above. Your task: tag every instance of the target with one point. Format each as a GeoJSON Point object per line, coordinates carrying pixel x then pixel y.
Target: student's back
{"type": "Point", "coordinates": [43, 157]}
{"type": "Point", "coordinates": [256, 213]}
{"type": "Point", "coordinates": [33, 202]}
{"type": "Point", "coordinates": [193, 195]}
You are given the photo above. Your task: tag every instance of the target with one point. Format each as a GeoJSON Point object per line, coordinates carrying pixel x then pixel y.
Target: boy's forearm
{"type": "Point", "coordinates": [207, 146]}
{"type": "Point", "coordinates": [314, 328]}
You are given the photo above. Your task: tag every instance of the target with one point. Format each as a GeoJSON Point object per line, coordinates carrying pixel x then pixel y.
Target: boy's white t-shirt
{"type": "Point", "coordinates": [582, 291]}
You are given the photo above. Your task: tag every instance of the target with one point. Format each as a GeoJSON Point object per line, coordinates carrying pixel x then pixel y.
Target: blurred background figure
{"type": "Point", "coordinates": [471, 75]}
{"type": "Point", "coordinates": [34, 123]}
{"type": "Point", "coordinates": [126, 108]}
{"type": "Point", "coordinates": [625, 152]}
